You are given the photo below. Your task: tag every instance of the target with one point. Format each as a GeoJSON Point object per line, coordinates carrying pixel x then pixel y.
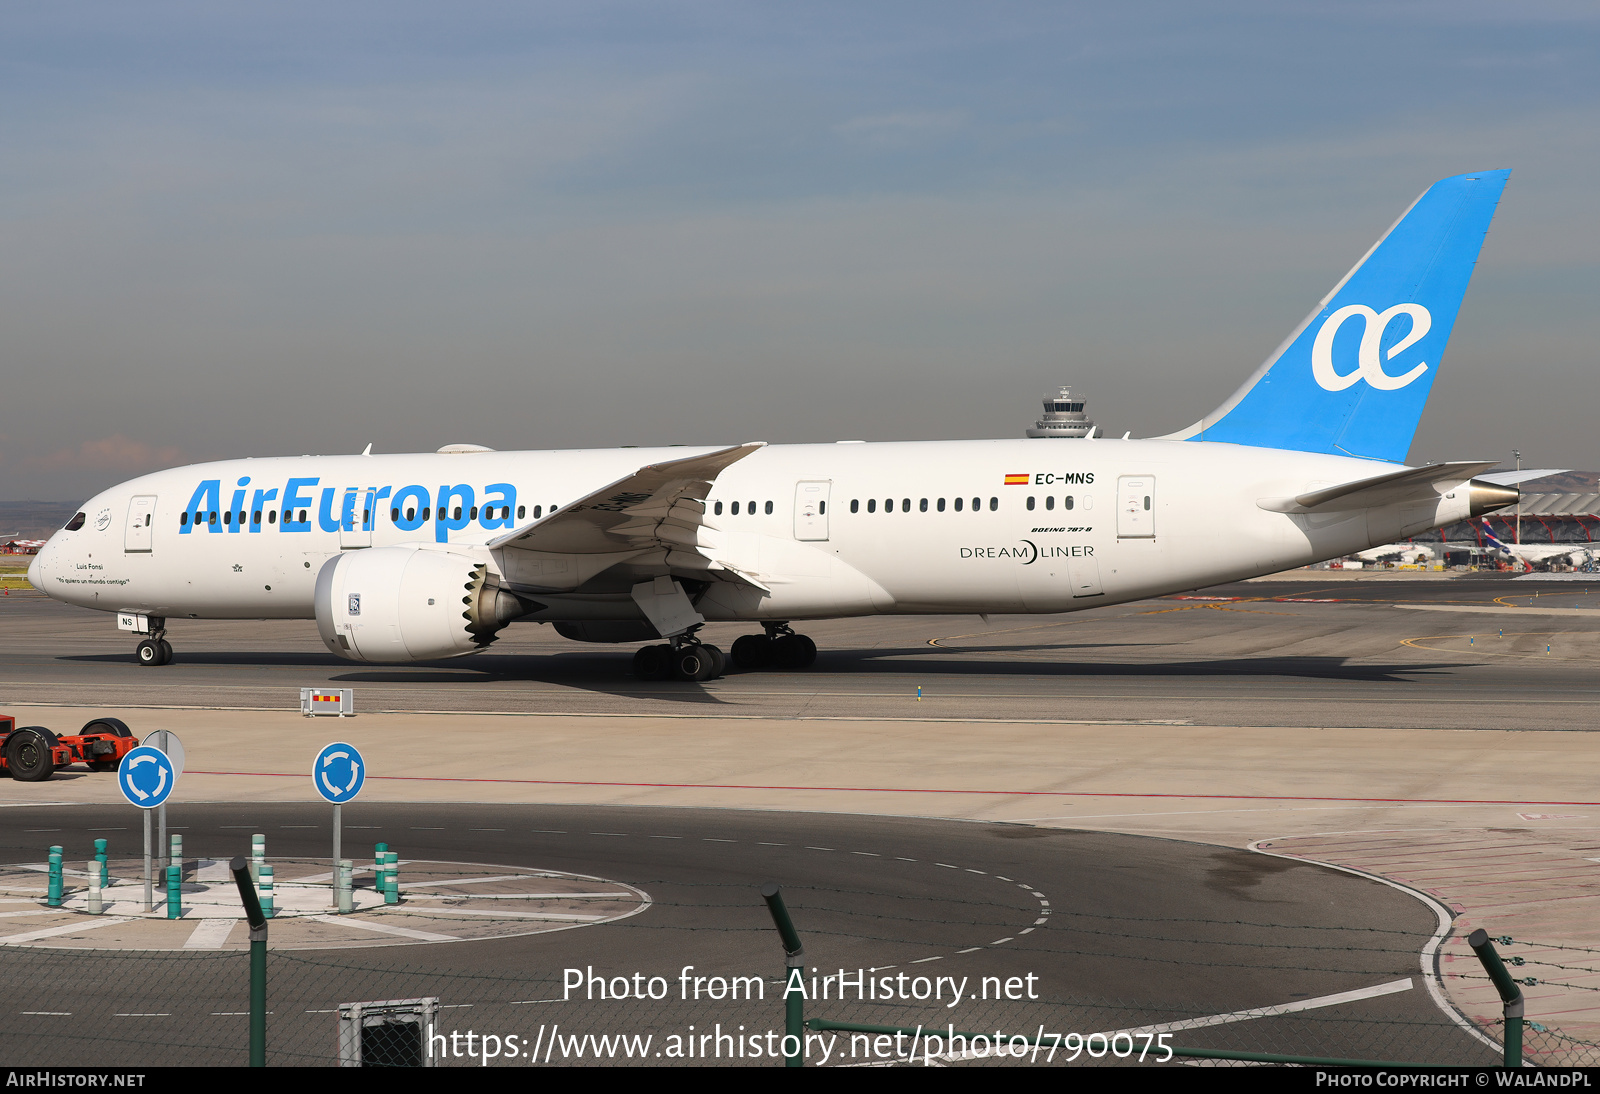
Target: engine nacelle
{"type": "Point", "coordinates": [391, 604]}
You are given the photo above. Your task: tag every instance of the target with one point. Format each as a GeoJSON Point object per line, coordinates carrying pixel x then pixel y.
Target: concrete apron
{"type": "Point", "coordinates": [1502, 828]}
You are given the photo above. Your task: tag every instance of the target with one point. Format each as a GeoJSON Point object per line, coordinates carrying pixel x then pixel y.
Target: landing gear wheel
{"type": "Point", "coordinates": [793, 651]}
{"type": "Point", "coordinates": [752, 651]}
{"type": "Point", "coordinates": [719, 659]}
{"type": "Point", "coordinates": [166, 651]}
{"type": "Point", "coordinates": [148, 652]}
{"type": "Point", "coordinates": [28, 754]}
{"type": "Point", "coordinates": [652, 662]}
{"type": "Point", "coordinates": [694, 663]}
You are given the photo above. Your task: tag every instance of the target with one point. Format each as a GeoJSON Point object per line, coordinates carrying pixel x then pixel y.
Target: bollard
{"type": "Point", "coordinates": [1510, 994]}
{"type": "Point", "coordinates": [101, 857]}
{"type": "Point", "coordinates": [258, 962]}
{"type": "Point", "coordinates": [94, 887]}
{"type": "Point", "coordinates": [258, 856]}
{"type": "Point", "coordinates": [174, 892]}
{"type": "Point", "coordinates": [54, 886]}
{"type": "Point", "coordinates": [344, 878]}
{"type": "Point", "coordinates": [391, 892]}
{"type": "Point", "coordinates": [268, 903]}
{"type": "Point", "coordinates": [794, 968]}
{"type": "Point", "coordinates": [176, 844]}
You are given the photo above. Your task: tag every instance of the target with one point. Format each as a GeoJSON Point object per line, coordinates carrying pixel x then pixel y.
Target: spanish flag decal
{"type": "Point", "coordinates": [1016, 480]}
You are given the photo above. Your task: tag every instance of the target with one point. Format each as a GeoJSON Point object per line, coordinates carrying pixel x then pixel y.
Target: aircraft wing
{"type": "Point", "coordinates": [660, 507]}
{"type": "Point", "coordinates": [1396, 487]}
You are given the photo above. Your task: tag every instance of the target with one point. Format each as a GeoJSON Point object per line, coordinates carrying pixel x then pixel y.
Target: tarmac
{"type": "Point", "coordinates": [1310, 719]}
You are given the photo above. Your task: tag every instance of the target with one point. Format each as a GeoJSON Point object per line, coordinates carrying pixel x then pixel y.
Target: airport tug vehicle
{"type": "Point", "coordinates": [33, 753]}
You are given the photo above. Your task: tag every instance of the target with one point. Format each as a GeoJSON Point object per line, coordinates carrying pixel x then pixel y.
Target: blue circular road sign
{"type": "Point", "coordinates": [146, 777]}
{"type": "Point", "coordinates": [338, 772]}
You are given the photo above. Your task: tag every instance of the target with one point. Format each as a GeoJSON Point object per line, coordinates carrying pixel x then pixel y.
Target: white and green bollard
{"type": "Point", "coordinates": [258, 856]}
{"type": "Point", "coordinates": [265, 889]}
{"type": "Point", "coordinates": [344, 878]}
{"type": "Point", "coordinates": [94, 887]}
{"type": "Point", "coordinates": [54, 888]}
{"type": "Point", "coordinates": [391, 894]}
{"type": "Point", "coordinates": [176, 858]}
{"type": "Point", "coordinates": [174, 891]}
{"type": "Point", "coordinates": [101, 864]}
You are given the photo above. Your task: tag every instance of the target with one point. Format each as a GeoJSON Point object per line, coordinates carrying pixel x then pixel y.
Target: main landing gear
{"type": "Point", "coordinates": [683, 658]}
{"type": "Point", "coordinates": [155, 650]}
{"type": "Point", "coordinates": [779, 648]}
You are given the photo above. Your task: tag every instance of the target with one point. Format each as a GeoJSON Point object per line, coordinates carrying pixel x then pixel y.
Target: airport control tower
{"type": "Point", "coordinates": [1063, 417]}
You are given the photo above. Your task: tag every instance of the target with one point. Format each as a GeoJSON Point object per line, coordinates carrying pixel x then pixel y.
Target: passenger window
{"type": "Point", "coordinates": [522, 511]}
{"type": "Point", "coordinates": [905, 506]}
{"type": "Point", "coordinates": [734, 509]}
{"type": "Point", "coordinates": [750, 509]}
{"type": "Point", "coordinates": [855, 505]}
{"type": "Point", "coordinates": [255, 518]}
{"type": "Point", "coordinates": [1049, 503]}
{"type": "Point", "coordinates": [977, 503]}
{"type": "Point", "coordinates": [1066, 502]}
{"type": "Point", "coordinates": [717, 509]}
{"type": "Point", "coordinates": [411, 514]}
{"type": "Point", "coordinates": [1030, 503]}
{"type": "Point", "coordinates": [941, 505]}
{"type": "Point", "coordinates": [958, 505]}
{"type": "Point", "coordinates": [470, 516]}
{"type": "Point", "coordinates": [213, 518]}
{"type": "Point", "coordinates": [888, 505]}
{"type": "Point", "coordinates": [426, 511]}
{"type": "Point", "coordinates": [922, 505]}
{"type": "Point", "coordinates": [872, 505]}
{"type": "Point", "coordinates": [272, 516]}
{"type": "Point", "coordinates": [394, 516]}
{"type": "Point", "coordinates": [183, 519]}
{"type": "Point", "coordinates": [994, 503]}
{"type": "Point", "coordinates": [538, 510]}
{"type": "Point", "coordinates": [457, 515]}
{"type": "Point", "coordinates": [75, 523]}
{"type": "Point", "coordinates": [303, 517]}
{"type": "Point", "coordinates": [769, 506]}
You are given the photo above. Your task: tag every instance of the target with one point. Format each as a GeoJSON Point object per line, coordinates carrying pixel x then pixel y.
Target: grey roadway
{"type": "Point", "coordinates": [1136, 930]}
{"type": "Point", "coordinates": [1381, 654]}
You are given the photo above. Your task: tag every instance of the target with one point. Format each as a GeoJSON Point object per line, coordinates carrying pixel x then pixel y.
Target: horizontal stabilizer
{"type": "Point", "coordinates": [1395, 488]}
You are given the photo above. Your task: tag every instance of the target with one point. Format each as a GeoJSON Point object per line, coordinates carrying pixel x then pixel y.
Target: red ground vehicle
{"type": "Point", "coordinates": [32, 753]}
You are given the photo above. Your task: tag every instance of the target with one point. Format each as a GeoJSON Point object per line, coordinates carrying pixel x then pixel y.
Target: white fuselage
{"type": "Point", "coordinates": [890, 539]}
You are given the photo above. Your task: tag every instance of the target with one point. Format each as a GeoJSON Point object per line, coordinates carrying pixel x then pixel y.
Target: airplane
{"type": "Point", "coordinates": [1573, 554]}
{"type": "Point", "coordinates": [1398, 552]}
{"type": "Point", "coordinates": [423, 556]}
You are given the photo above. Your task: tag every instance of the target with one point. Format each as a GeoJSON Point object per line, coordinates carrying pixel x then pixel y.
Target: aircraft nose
{"type": "Point", "coordinates": [41, 565]}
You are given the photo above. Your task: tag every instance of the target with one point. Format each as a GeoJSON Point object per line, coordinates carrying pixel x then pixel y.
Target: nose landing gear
{"type": "Point", "coordinates": [155, 650]}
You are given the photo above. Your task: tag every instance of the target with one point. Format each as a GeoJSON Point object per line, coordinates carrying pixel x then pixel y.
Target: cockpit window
{"type": "Point", "coordinates": [75, 523]}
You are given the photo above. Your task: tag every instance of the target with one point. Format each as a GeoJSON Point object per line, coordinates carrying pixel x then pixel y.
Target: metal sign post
{"type": "Point", "coordinates": [146, 778]}
{"type": "Point", "coordinates": [167, 741]}
{"type": "Point", "coordinates": [338, 774]}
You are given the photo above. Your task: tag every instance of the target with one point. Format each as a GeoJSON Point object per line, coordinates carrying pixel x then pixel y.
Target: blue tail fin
{"type": "Point", "coordinates": [1353, 377]}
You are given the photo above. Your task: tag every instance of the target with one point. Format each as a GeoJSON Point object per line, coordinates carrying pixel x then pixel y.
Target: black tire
{"type": "Point", "coordinates": [752, 651]}
{"type": "Point", "coordinates": [693, 663]}
{"type": "Point", "coordinates": [793, 651]}
{"type": "Point", "coordinates": [719, 661]}
{"type": "Point", "coordinates": [114, 726]}
{"type": "Point", "coordinates": [148, 653]}
{"type": "Point", "coordinates": [166, 651]}
{"type": "Point", "coordinates": [652, 662]}
{"type": "Point", "coordinates": [28, 754]}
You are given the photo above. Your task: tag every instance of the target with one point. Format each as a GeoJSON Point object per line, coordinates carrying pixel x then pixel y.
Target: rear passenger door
{"type": "Point", "coordinates": [1136, 515]}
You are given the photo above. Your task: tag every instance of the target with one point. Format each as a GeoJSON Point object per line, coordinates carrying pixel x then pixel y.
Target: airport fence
{"type": "Point", "coordinates": [125, 1008]}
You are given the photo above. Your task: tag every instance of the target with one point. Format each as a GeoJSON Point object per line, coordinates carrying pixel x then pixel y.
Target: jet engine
{"type": "Point", "coordinates": [390, 604]}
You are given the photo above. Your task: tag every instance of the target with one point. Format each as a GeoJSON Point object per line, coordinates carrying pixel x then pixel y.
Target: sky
{"type": "Point", "coordinates": [245, 230]}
